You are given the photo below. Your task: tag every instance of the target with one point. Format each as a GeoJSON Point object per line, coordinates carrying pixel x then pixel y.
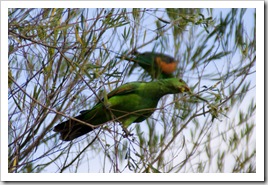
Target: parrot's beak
{"type": "Point", "coordinates": [185, 88]}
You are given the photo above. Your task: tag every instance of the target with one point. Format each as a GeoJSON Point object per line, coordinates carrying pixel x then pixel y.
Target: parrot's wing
{"type": "Point", "coordinates": [124, 89]}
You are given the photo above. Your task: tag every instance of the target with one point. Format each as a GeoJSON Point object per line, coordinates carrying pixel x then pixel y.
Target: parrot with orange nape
{"type": "Point", "coordinates": [157, 65]}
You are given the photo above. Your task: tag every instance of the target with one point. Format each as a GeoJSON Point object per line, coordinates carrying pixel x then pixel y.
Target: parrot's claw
{"type": "Point", "coordinates": [126, 133]}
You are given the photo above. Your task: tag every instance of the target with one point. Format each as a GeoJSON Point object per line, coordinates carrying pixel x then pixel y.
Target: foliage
{"type": "Point", "coordinates": [62, 61]}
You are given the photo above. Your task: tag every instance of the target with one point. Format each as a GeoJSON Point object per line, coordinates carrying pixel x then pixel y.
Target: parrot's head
{"type": "Point", "coordinates": [182, 86]}
{"type": "Point", "coordinates": [176, 85]}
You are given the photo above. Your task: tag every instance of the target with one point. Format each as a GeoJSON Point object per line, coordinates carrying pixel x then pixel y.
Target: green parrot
{"type": "Point", "coordinates": [157, 65]}
{"type": "Point", "coordinates": [131, 102]}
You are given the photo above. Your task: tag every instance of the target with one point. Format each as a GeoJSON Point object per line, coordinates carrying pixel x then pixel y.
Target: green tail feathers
{"type": "Point", "coordinates": [71, 129]}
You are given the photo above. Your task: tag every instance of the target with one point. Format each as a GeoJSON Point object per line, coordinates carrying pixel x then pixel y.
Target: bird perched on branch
{"type": "Point", "coordinates": [131, 102]}
{"type": "Point", "coordinates": [157, 65]}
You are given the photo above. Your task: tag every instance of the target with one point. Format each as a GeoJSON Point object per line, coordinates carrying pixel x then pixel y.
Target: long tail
{"type": "Point", "coordinates": [71, 129]}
